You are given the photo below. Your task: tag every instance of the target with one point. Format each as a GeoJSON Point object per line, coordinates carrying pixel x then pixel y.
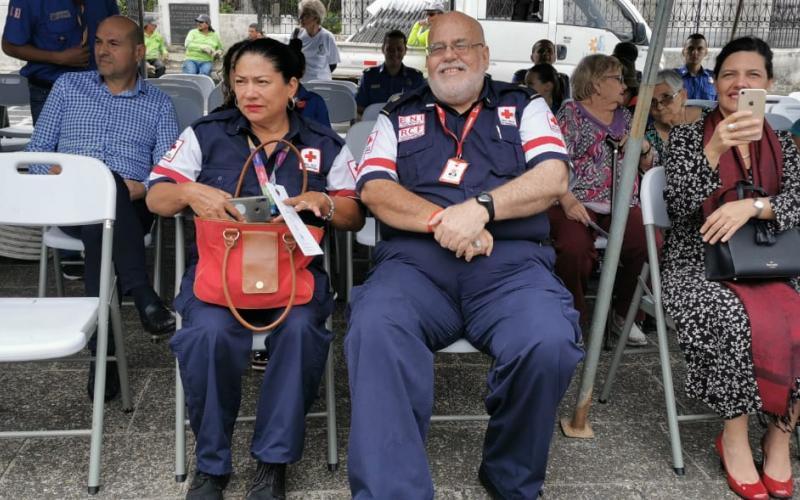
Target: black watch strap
{"type": "Point", "coordinates": [486, 201]}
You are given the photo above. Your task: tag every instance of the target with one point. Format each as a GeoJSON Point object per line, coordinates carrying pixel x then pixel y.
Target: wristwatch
{"type": "Point", "coordinates": [486, 201]}
{"type": "Point", "coordinates": [759, 204]}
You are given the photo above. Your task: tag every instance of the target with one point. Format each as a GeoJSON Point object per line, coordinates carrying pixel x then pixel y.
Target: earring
{"type": "Point", "coordinates": [292, 103]}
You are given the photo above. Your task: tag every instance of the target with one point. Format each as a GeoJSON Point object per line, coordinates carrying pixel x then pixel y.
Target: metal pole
{"type": "Point", "coordinates": [736, 18]}
{"type": "Point", "coordinates": [578, 425]}
{"type": "Point", "coordinates": [143, 62]}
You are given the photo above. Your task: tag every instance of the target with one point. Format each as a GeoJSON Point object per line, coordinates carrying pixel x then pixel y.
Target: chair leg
{"type": "Point", "coordinates": [120, 351]}
{"type": "Point", "coordinates": [159, 240]}
{"type": "Point", "coordinates": [620, 348]}
{"type": "Point", "coordinates": [797, 438]}
{"type": "Point", "coordinates": [330, 409]}
{"type": "Point", "coordinates": [98, 405]}
{"type": "Point", "coordinates": [57, 272]}
{"type": "Point", "coordinates": [43, 269]}
{"type": "Point", "coordinates": [349, 263]}
{"type": "Point", "coordinates": [180, 428]}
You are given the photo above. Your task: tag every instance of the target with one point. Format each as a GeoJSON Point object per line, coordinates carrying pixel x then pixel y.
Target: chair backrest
{"type": "Point", "coordinates": [789, 110]}
{"type": "Point", "coordinates": [345, 84]}
{"type": "Point", "coordinates": [651, 194]}
{"type": "Point", "coordinates": [215, 99]}
{"type": "Point", "coordinates": [187, 99]}
{"type": "Point", "coordinates": [13, 90]}
{"type": "Point", "coordinates": [372, 111]}
{"type": "Point", "coordinates": [356, 138]}
{"type": "Point", "coordinates": [340, 102]}
{"type": "Point", "coordinates": [702, 103]}
{"type": "Point", "coordinates": [778, 121]}
{"type": "Point", "coordinates": [205, 83]}
{"type": "Point", "coordinates": [56, 199]}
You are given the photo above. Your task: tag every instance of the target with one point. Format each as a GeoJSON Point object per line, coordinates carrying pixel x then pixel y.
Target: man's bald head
{"type": "Point", "coordinates": [132, 30]}
{"type": "Point", "coordinates": [469, 26]}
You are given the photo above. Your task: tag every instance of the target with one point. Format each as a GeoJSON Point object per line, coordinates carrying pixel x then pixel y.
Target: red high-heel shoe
{"type": "Point", "coordinates": [752, 491]}
{"type": "Point", "coordinates": [777, 489]}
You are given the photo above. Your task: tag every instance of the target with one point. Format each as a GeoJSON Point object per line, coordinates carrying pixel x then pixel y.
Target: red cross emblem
{"type": "Point", "coordinates": [554, 126]}
{"type": "Point", "coordinates": [310, 156]}
{"type": "Point", "coordinates": [311, 159]}
{"type": "Point", "coordinates": [507, 115]}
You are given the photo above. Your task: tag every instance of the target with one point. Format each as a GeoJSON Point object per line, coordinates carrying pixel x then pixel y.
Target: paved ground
{"type": "Point", "coordinates": [629, 457]}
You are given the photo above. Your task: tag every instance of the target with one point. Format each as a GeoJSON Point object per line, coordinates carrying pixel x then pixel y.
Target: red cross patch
{"type": "Point", "coordinates": [170, 155]}
{"type": "Point", "coordinates": [553, 121]}
{"type": "Point", "coordinates": [312, 159]}
{"type": "Point", "coordinates": [507, 115]}
{"type": "Point", "coordinates": [370, 142]}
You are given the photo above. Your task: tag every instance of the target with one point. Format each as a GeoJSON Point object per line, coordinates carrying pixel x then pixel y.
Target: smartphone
{"type": "Point", "coordinates": [253, 208]}
{"type": "Point", "coordinates": [753, 100]}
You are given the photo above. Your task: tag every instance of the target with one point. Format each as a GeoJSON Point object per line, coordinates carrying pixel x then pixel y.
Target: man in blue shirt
{"type": "Point", "coordinates": [113, 115]}
{"type": "Point", "coordinates": [378, 84]}
{"type": "Point", "coordinates": [697, 80]}
{"type": "Point", "coordinates": [54, 37]}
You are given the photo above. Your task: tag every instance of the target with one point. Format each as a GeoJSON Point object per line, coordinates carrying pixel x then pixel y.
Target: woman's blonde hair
{"type": "Point", "coordinates": [589, 71]}
{"type": "Point", "coordinates": [313, 7]}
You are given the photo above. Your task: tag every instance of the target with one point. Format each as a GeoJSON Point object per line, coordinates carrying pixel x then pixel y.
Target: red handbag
{"type": "Point", "coordinates": [246, 265]}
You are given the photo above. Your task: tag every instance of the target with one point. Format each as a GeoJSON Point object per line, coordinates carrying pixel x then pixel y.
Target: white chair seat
{"type": "Point", "coordinates": [12, 145]}
{"type": "Point", "coordinates": [460, 346]}
{"type": "Point", "coordinates": [366, 236]}
{"type": "Point", "coordinates": [19, 131]}
{"type": "Point", "coordinates": [63, 326]}
{"type": "Point", "coordinates": [54, 237]}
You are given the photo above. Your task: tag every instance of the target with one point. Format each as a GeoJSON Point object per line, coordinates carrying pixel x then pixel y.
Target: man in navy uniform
{"type": "Point", "coordinates": [392, 77]}
{"type": "Point", "coordinates": [460, 173]}
{"type": "Point", "coordinates": [54, 37]}
{"type": "Point", "coordinates": [697, 80]}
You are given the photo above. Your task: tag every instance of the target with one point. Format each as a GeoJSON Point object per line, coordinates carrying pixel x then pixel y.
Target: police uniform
{"type": "Point", "coordinates": [420, 298]}
{"type": "Point", "coordinates": [53, 25]}
{"type": "Point", "coordinates": [377, 85]}
{"type": "Point", "coordinates": [699, 86]}
{"type": "Point", "coordinates": [212, 348]}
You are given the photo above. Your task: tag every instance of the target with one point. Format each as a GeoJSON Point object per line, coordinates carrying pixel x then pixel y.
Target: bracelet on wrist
{"type": "Point", "coordinates": [329, 216]}
{"type": "Point", "coordinates": [434, 214]}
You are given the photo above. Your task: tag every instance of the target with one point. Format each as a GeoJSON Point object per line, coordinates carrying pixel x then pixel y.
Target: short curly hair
{"type": "Point", "coordinates": [589, 71]}
{"type": "Point", "coordinates": [315, 8]}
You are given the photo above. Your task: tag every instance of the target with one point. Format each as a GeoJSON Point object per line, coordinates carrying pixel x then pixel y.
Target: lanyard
{"type": "Point", "coordinates": [261, 171]}
{"type": "Point", "coordinates": [473, 116]}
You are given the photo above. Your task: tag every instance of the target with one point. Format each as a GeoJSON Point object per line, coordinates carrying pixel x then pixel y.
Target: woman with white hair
{"type": "Point", "coordinates": [319, 46]}
{"type": "Point", "coordinates": [668, 109]}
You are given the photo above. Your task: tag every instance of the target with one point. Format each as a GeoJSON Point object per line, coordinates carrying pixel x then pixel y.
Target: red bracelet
{"type": "Point", "coordinates": [434, 214]}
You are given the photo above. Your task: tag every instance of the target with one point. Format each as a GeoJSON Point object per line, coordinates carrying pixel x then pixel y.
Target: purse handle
{"type": "Point", "coordinates": [231, 236]}
{"type": "Point", "coordinates": [253, 154]}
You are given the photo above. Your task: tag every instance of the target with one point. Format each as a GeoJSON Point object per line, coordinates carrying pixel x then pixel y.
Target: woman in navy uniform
{"type": "Point", "coordinates": [212, 348]}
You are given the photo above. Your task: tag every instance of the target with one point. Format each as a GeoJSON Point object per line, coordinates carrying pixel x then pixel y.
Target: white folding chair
{"type": "Point", "coordinates": [37, 329]}
{"type": "Point", "coordinates": [372, 111]}
{"type": "Point", "coordinates": [215, 99]}
{"type": "Point", "coordinates": [356, 138]}
{"type": "Point", "coordinates": [787, 109]}
{"type": "Point", "coordinates": [345, 84]}
{"type": "Point", "coordinates": [258, 345]}
{"type": "Point", "coordinates": [778, 121]}
{"type": "Point", "coordinates": [341, 102]}
{"type": "Point", "coordinates": [186, 97]}
{"type": "Point", "coordinates": [702, 103]}
{"type": "Point", "coordinates": [654, 215]}
{"type": "Point", "coordinates": [205, 83]}
{"type": "Point", "coordinates": [14, 92]}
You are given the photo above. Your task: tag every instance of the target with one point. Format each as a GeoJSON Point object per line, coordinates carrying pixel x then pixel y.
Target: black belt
{"type": "Point", "coordinates": [37, 82]}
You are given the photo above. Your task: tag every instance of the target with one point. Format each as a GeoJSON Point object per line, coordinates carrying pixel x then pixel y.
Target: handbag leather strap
{"type": "Point", "coordinates": [231, 236]}
{"type": "Point", "coordinates": [260, 147]}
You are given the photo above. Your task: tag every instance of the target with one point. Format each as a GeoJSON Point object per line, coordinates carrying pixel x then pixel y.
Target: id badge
{"type": "Point", "coordinates": [453, 171]}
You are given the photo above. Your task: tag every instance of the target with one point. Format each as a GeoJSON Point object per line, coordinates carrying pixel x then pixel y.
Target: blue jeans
{"type": "Point", "coordinates": [197, 67]}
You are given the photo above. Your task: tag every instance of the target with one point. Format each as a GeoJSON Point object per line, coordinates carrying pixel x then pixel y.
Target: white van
{"type": "Point", "coordinates": [578, 28]}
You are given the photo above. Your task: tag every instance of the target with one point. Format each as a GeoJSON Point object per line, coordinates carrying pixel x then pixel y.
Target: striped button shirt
{"type": "Point", "coordinates": [129, 131]}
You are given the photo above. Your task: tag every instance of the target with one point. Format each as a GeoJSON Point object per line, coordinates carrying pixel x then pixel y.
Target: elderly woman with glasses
{"type": "Point", "coordinates": [668, 109]}
{"type": "Point", "coordinates": [595, 126]}
{"type": "Point", "coordinates": [319, 45]}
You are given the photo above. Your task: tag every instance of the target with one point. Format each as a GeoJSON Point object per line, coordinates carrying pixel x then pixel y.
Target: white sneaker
{"type": "Point", "coordinates": [636, 337]}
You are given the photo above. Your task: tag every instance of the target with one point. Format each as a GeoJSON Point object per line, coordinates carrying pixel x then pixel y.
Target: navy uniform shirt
{"type": "Point", "coordinates": [312, 106]}
{"type": "Point", "coordinates": [55, 25]}
{"type": "Point", "coordinates": [515, 131]}
{"type": "Point", "coordinates": [377, 85]}
{"type": "Point", "coordinates": [700, 86]}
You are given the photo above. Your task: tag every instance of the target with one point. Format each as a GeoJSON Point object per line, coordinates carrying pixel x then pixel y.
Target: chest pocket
{"type": "Point", "coordinates": [61, 28]}
{"type": "Point", "coordinates": [416, 159]}
{"type": "Point", "coordinates": [508, 159]}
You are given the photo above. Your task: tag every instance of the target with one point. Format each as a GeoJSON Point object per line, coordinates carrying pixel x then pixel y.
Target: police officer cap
{"type": "Point", "coordinates": [150, 20]}
{"type": "Point", "coordinates": [203, 18]}
{"type": "Point", "coordinates": [435, 5]}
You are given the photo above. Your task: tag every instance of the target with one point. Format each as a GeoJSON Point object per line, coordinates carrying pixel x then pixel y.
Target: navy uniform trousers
{"type": "Point", "coordinates": [213, 351]}
{"type": "Point", "coordinates": [420, 298]}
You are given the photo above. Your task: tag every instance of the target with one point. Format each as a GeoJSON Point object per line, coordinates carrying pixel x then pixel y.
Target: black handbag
{"type": "Point", "coordinates": [754, 252]}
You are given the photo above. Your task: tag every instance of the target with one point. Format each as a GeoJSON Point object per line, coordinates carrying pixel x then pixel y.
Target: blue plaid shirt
{"type": "Point", "coordinates": [129, 131]}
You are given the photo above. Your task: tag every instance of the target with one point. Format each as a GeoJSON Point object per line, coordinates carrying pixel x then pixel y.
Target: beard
{"type": "Point", "coordinates": [457, 89]}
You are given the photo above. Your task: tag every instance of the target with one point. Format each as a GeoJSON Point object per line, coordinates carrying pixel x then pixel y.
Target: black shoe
{"type": "Point", "coordinates": [207, 487]}
{"type": "Point", "coordinates": [112, 381]}
{"type": "Point", "coordinates": [258, 362]}
{"type": "Point", "coordinates": [269, 483]}
{"type": "Point", "coordinates": [72, 271]}
{"type": "Point", "coordinates": [156, 319]}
